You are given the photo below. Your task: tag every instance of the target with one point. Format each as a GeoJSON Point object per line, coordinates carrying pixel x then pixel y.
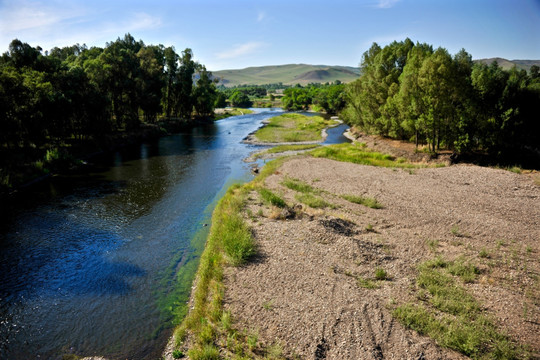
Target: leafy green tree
{"type": "Point", "coordinates": [204, 94]}
{"type": "Point", "coordinates": [240, 99]}
{"type": "Point", "coordinates": [184, 85]}
{"type": "Point", "coordinates": [171, 65]}
{"type": "Point", "coordinates": [221, 100]}
{"type": "Point", "coordinates": [151, 81]}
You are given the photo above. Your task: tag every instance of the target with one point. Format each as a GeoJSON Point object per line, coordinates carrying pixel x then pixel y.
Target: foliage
{"type": "Point", "coordinates": [327, 97]}
{"type": "Point", "coordinates": [412, 92]}
{"type": "Point", "coordinates": [74, 95]}
{"type": "Point", "coordinates": [240, 99]}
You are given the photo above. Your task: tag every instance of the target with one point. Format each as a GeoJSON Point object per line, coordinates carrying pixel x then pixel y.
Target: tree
{"type": "Point", "coordinates": [221, 100]}
{"type": "Point", "coordinates": [171, 66]}
{"type": "Point", "coordinates": [240, 99]}
{"type": "Point", "coordinates": [184, 84]}
{"type": "Point", "coordinates": [204, 94]}
{"type": "Point", "coordinates": [150, 81]}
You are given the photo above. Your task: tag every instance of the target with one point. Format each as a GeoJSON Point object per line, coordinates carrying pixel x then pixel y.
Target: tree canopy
{"type": "Point", "coordinates": [414, 92]}
{"type": "Point", "coordinates": [78, 93]}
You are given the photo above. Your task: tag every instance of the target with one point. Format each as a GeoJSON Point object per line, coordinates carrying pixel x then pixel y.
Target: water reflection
{"type": "Point", "coordinates": [81, 256]}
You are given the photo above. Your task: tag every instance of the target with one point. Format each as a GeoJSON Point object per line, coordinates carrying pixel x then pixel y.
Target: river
{"type": "Point", "coordinates": [89, 262]}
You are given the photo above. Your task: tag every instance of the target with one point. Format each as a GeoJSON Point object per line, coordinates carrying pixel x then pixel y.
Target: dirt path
{"type": "Point", "coordinates": [302, 293]}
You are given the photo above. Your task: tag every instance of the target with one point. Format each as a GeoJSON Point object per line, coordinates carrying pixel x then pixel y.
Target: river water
{"type": "Point", "coordinates": [89, 262]}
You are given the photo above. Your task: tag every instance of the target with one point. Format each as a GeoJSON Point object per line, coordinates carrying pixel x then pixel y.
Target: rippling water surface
{"type": "Point", "coordinates": [88, 261]}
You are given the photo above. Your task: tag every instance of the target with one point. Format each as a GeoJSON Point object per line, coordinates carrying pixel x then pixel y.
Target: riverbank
{"type": "Point", "coordinates": [336, 276]}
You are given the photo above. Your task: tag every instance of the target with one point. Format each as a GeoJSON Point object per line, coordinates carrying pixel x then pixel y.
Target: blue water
{"type": "Point", "coordinates": [84, 258]}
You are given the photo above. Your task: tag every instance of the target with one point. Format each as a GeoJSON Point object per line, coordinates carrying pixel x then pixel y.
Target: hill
{"type": "Point", "coordinates": [508, 64]}
{"type": "Point", "coordinates": [287, 74]}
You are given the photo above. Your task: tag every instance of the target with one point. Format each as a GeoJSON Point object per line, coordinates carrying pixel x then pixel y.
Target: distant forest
{"type": "Point", "coordinates": [412, 92]}
{"type": "Point", "coordinates": [51, 101]}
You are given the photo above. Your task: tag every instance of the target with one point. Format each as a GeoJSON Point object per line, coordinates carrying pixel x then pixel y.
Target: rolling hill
{"type": "Point", "coordinates": [287, 74]}
{"type": "Point", "coordinates": [508, 64]}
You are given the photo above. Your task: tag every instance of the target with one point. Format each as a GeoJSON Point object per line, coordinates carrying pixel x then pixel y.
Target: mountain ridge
{"type": "Point", "coordinates": [289, 74]}
{"type": "Point", "coordinates": [508, 64]}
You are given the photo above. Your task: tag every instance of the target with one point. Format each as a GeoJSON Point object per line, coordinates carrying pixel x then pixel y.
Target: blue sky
{"type": "Point", "coordinates": [236, 34]}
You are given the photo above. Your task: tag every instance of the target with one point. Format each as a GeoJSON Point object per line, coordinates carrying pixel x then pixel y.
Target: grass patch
{"type": "Point", "coordinates": [292, 127]}
{"type": "Point", "coordinates": [366, 201]}
{"type": "Point", "coordinates": [313, 201]}
{"type": "Point", "coordinates": [484, 254]}
{"type": "Point", "coordinates": [366, 283]}
{"type": "Point", "coordinates": [451, 316]}
{"type": "Point", "coordinates": [207, 352]}
{"type": "Point", "coordinates": [298, 147]}
{"type": "Point", "coordinates": [299, 186]}
{"type": "Point", "coordinates": [380, 274]}
{"type": "Point", "coordinates": [357, 154]}
{"type": "Point", "coordinates": [271, 198]}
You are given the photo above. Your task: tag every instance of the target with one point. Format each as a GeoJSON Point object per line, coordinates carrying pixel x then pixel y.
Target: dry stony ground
{"type": "Point", "coordinates": [301, 292]}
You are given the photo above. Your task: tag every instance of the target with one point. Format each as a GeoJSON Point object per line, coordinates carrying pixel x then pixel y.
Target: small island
{"type": "Point", "coordinates": [291, 128]}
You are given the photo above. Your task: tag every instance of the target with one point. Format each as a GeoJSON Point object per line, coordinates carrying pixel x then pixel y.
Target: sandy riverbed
{"type": "Point", "coordinates": [299, 293]}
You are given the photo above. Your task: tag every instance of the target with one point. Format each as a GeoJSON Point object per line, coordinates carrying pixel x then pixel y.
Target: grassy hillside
{"type": "Point", "coordinates": [287, 74]}
{"type": "Point", "coordinates": [508, 64]}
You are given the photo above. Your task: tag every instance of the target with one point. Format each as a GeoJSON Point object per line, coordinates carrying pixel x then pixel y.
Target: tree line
{"type": "Point", "coordinates": [83, 92]}
{"type": "Point", "coordinates": [412, 92]}
{"type": "Point", "coordinates": [327, 97]}
{"type": "Point", "coordinates": [53, 101]}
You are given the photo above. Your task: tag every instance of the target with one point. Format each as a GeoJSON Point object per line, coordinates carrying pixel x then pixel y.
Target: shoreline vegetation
{"type": "Point", "coordinates": [215, 327]}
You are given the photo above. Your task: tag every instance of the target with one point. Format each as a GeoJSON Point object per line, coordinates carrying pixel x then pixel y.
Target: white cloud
{"type": "Point", "coordinates": [386, 4]}
{"type": "Point", "coordinates": [26, 15]}
{"type": "Point", "coordinates": [240, 50]}
{"type": "Point", "coordinates": [261, 16]}
{"type": "Point", "coordinates": [59, 23]}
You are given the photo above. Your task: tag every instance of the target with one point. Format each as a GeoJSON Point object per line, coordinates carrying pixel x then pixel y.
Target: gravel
{"type": "Point", "coordinates": [301, 290]}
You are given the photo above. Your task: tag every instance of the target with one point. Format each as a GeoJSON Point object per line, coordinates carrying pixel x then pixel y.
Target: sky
{"type": "Point", "coordinates": [234, 34]}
